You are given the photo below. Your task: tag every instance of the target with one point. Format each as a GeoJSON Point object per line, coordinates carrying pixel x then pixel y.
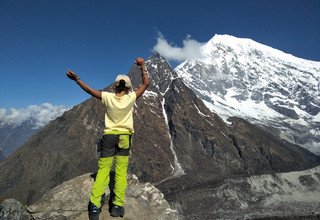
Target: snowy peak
{"type": "Point", "coordinates": [225, 50]}
{"type": "Point", "coordinates": [247, 46]}
{"type": "Point", "coordinates": [162, 72]}
{"type": "Point", "coordinates": [240, 77]}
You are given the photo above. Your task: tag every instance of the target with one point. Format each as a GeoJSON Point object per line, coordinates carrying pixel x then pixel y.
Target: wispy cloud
{"type": "Point", "coordinates": [39, 114]}
{"type": "Point", "coordinates": [189, 50]}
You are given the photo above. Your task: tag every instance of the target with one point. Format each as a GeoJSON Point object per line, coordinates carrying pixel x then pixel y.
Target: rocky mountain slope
{"type": "Point", "coordinates": [176, 137]}
{"type": "Point", "coordinates": [240, 77]}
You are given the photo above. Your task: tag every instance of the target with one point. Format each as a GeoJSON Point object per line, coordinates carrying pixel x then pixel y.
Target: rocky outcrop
{"type": "Point", "coordinates": [70, 199]}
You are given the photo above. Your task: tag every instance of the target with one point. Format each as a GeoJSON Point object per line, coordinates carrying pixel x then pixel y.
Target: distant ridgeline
{"type": "Point", "coordinates": [18, 125]}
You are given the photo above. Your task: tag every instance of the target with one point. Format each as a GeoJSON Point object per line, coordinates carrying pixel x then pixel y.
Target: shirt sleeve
{"type": "Point", "coordinates": [133, 96]}
{"type": "Point", "coordinates": [104, 97]}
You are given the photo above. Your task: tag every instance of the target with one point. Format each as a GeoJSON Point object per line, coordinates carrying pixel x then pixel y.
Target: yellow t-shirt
{"type": "Point", "coordinates": [118, 116]}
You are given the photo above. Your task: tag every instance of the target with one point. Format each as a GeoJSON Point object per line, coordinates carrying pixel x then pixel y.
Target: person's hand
{"type": "Point", "coordinates": [72, 75]}
{"type": "Point", "coordinates": [140, 61]}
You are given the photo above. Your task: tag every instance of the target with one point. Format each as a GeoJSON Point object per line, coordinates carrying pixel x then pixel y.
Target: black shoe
{"type": "Point", "coordinates": [117, 211]}
{"type": "Point", "coordinates": [93, 211]}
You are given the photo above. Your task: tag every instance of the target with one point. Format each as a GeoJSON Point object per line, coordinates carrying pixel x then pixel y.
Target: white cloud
{"type": "Point", "coordinates": [190, 49]}
{"type": "Point", "coordinates": [39, 114]}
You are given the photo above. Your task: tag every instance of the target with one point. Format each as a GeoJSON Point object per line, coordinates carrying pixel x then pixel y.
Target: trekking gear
{"type": "Point", "coordinates": [114, 144]}
{"type": "Point", "coordinates": [93, 211]}
{"type": "Point", "coordinates": [117, 211]}
{"type": "Point", "coordinates": [103, 178]}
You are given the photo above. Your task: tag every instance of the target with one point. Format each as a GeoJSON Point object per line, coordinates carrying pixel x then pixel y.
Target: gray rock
{"type": "Point", "coordinates": [70, 199]}
{"type": "Point", "coordinates": [2, 155]}
{"type": "Point", "coordinates": [12, 209]}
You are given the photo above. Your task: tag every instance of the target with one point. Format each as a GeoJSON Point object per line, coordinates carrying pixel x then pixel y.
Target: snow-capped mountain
{"type": "Point", "coordinates": [240, 77]}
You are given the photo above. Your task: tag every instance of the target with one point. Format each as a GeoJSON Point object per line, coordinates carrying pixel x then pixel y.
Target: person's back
{"type": "Point", "coordinates": [119, 110]}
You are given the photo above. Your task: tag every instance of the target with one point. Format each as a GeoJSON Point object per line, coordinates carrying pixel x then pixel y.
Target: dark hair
{"type": "Point", "coordinates": [121, 87]}
{"type": "Point", "coordinates": [122, 84]}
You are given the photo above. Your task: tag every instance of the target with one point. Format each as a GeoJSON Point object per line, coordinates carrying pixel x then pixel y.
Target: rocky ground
{"type": "Point", "coordinates": [70, 199]}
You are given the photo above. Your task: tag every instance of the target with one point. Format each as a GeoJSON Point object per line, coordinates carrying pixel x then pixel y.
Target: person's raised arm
{"type": "Point", "coordinates": [144, 75]}
{"type": "Point", "coordinates": [83, 85]}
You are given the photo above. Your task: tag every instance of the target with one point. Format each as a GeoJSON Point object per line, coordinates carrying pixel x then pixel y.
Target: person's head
{"type": "Point", "coordinates": [122, 84]}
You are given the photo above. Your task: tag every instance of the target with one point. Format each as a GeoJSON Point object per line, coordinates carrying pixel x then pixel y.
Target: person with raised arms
{"type": "Point", "coordinates": [116, 141]}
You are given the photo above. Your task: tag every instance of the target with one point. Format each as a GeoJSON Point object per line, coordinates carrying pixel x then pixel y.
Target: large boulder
{"type": "Point", "coordinates": [70, 199]}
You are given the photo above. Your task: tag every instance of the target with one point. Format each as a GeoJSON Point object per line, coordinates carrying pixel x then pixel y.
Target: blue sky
{"type": "Point", "coordinates": [40, 39]}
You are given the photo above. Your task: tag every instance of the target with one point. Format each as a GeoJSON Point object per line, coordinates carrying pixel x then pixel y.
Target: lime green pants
{"type": "Point", "coordinates": [103, 176]}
